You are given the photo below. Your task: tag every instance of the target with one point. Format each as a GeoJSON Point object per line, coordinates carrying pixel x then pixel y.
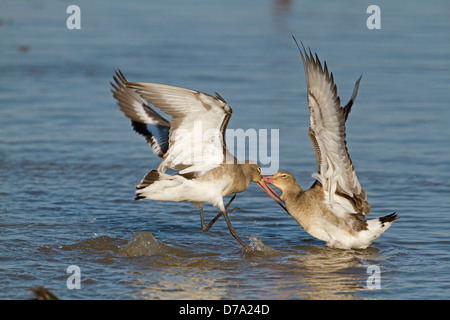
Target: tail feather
{"type": "Point", "coordinates": [160, 187]}
{"type": "Point", "coordinates": [148, 179]}
{"type": "Point", "coordinates": [375, 228]}
{"type": "Point", "coordinates": [389, 218]}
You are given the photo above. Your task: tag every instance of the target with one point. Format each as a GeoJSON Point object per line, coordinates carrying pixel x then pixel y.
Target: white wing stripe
{"type": "Point", "coordinates": [198, 124]}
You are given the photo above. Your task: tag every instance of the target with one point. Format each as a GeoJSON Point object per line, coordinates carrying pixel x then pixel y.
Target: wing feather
{"type": "Point", "coordinates": [145, 121]}
{"type": "Point", "coordinates": [336, 173]}
{"type": "Point", "coordinates": [199, 120]}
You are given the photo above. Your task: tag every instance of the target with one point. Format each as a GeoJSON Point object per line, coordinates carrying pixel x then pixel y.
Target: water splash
{"type": "Point", "coordinates": [142, 244]}
{"type": "Point", "coordinates": [260, 249]}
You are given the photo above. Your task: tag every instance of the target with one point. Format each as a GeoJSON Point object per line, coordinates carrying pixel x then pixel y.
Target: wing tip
{"type": "Point", "coordinates": [300, 50]}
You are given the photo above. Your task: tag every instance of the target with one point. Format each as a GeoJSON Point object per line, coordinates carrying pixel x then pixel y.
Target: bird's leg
{"type": "Point", "coordinates": [204, 227]}
{"type": "Point", "coordinates": [207, 227]}
{"type": "Point", "coordinates": [234, 234]}
{"type": "Point", "coordinates": [228, 204]}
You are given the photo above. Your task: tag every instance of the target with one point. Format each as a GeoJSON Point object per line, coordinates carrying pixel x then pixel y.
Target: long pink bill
{"type": "Point", "coordinates": [271, 193]}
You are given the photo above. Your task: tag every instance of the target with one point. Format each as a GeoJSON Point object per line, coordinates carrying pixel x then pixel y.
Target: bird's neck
{"type": "Point", "coordinates": [291, 193]}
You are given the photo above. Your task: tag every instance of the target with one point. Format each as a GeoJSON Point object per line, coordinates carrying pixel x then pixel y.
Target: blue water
{"type": "Point", "coordinates": [69, 159]}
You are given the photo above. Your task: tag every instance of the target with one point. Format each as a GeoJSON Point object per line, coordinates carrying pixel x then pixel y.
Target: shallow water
{"type": "Point", "coordinates": [69, 159]}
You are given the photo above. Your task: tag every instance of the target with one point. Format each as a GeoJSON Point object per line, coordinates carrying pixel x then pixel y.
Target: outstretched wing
{"type": "Point", "coordinates": [199, 121]}
{"type": "Point", "coordinates": [343, 192]}
{"type": "Point", "coordinates": [145, 121]}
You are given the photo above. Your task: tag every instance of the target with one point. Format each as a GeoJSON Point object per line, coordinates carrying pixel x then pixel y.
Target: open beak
{"type": "Point", "coordinates": [269, 179]}
{"type": "Point", "coordinates": [270, 191]}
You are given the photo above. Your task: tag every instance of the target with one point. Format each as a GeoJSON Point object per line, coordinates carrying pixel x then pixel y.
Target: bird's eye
{"type": "Point", "coordinates": [284, 175]}
{"type": "Point", "coordinates": [259, 169]}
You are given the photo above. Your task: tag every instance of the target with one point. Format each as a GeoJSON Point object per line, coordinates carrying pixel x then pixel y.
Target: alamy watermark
{"type": "Point", "coordinates": [205, 146]}
{"type": "Point", "coordinates": [74, 280]}
{"type": "Point", "coordinates": [74, 20]}
{"type": "Point", "coordinates": [373, 282]}
{"type": "Point", "coordinates": [374, 20]}
{"type": "Point", "coordinates": [200, 145]}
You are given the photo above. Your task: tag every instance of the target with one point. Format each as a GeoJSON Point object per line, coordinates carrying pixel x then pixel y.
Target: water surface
{"type": "Point", "coordinates": [69, 159]}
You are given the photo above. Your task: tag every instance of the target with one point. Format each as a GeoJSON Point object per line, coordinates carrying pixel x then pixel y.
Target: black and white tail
{"type": "Point", "coordinates": [375, 228]}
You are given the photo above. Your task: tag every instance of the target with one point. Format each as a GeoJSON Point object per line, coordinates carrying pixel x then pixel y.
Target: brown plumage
{"type": "Point", "coordinates": [333, 209]}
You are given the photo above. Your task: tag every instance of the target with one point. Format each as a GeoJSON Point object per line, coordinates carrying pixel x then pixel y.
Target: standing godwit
{"type": "Point", "coordinates": [193, 144]}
